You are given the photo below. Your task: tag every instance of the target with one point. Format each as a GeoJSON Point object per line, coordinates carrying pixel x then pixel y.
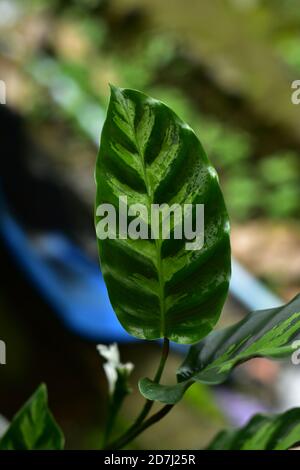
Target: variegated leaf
{"type": "Point", "coordinates": [266, 333]}
{"type": "Point", "coordinates": [275, 432]}
{"type": "Point", "coordinates": [159, 288]}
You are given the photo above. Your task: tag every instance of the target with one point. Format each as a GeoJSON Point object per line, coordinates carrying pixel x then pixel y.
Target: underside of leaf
{"type": "Point", "coordinates": [265, 333]}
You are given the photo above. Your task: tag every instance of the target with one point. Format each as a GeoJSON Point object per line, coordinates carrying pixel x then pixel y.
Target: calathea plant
{"type": "Point", "coordinates": [167, 276]}
{"type": "Point", "coordinates": [171, 283]}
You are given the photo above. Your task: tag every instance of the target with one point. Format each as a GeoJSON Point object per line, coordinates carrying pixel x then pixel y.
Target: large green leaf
{"type": "Point", "coordinates": [277, 432]}
{"type": "Point", "coordinates": [265, 333]}
{"type": "Point", "coordinates": [158, 288]}
{"type": "Point", "coordinates": [33, 427]}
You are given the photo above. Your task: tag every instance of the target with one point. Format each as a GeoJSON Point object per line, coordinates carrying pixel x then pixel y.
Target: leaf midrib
{"type": "Point", "coordinates": [158, 241]}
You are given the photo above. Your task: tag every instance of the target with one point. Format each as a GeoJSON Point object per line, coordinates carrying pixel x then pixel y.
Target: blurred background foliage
{"type": "Point", "coordinates": [226, 67]}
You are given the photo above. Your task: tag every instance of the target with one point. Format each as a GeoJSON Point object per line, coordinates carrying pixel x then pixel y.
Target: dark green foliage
{"type": "Point", "coordinates": [33, 427]}
{"type": "Point", "coordinates": [157, 287]}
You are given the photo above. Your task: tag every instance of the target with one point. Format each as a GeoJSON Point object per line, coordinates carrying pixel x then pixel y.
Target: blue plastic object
{"type": "Point", "coordinates": [66, 278]}
{"type": "Point", "coordinates": [250, 291]}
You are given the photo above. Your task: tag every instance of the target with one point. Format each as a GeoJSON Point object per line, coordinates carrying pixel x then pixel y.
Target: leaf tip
{"type": "Point", "coordinates": [114, 90]}
{"type": "Point", "coordinates": [42, 388]}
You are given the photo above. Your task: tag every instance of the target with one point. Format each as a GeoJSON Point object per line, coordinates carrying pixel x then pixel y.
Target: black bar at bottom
{"type": "Point", "coordinates": [136, 459]}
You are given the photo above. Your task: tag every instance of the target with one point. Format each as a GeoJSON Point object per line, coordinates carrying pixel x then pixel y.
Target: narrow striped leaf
{"type": "Point", "coordinates": [277, 432]}
{"type": "Point", "coordinates": [265, 333]}
{"type": "Point", "coordinates": [158, 288]}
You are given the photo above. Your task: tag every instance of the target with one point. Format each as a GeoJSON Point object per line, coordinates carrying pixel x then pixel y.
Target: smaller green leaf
{"type": "Point", "coordinates": [276, 432]}
{"type": "Point", "coordinates": [169, 394]}
{"type": "Point", "coordinates": [33, 427]}
{"type": "Point", "coordinates": [265, 333]}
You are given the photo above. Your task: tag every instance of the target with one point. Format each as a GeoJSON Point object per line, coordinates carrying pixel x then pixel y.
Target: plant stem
{"type": "Point", "coordinates": [109, 424]}
{"type": "Point", "coordinates": [148, 404]}
{"type": "Point", "coordinates": [163, 359]}
{"type": "Point", "coordinates": [134, 432]}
